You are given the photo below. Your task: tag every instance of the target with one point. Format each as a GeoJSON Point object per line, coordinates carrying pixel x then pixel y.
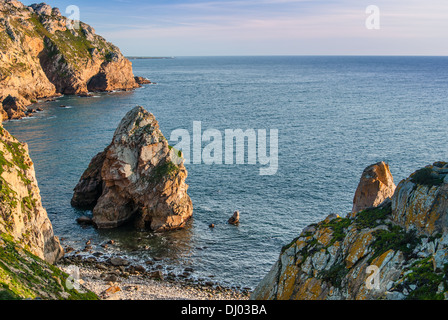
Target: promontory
{"type": "Point", "coordinates": [44, 54]}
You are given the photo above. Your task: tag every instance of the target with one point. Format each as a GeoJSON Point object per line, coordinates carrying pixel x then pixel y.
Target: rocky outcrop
{"type": "Point", "coordinates": [41, 57]}
{"type": "Point", "coordinates": [397, 250]}
{"type": "Point", "coordinates": [137, 177]}
{"type": "Point", "coordinates": [420, 202]}
{"type": "Point", "coordinates": [375, 186]}
{"type": "Point", "coordinates": [141, 80]}
{"type": "Point", "coordinates": [21, 213]}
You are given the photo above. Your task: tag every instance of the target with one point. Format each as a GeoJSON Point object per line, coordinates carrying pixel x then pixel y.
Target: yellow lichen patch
{"type": "Point", "coordinates": [310, 290]}
{"type": "Point", "coordinates": [380, 260]}
{"type": "Point", "coordinates": [324, 236]}
{"type": "Point", "coordinates": [287, 283]}
{"type": "Point", "coordinates": [358, 249]}
{"type": "Point", "coordinates": [300, 244]}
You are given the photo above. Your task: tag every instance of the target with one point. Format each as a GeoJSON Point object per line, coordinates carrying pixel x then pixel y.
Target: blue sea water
{"type": "Point", "coordinates": [335, 116]}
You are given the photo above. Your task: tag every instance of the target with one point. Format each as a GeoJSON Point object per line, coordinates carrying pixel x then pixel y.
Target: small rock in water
{"type": "Point", "coordinates": [84, 220]}
{"type": "Point", "coordinates": [235, 219]}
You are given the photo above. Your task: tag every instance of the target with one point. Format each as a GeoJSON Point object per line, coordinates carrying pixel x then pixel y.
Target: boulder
{"type": "Point", "coordinates": [375, 186]}
{"type": "Point", "coordinates": [137, 177]}
{"type": "Point", "coordinates": [14, 107]}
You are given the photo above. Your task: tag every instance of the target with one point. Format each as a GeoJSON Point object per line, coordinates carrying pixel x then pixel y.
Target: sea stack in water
{"type": "Point", "coordinates": [137, 177]}
{"type": "Point", "coordinates": [375, 186]}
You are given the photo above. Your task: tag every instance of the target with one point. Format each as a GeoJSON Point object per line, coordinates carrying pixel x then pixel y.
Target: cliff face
{"type": "Point", "coordinates": [40, 57]}
{"type": "Point", "coordinates": [21, 213]}
{"type": "Point", "coordinates": [138, 176]}
{"type": "Point", "coordinates": [395, 251]}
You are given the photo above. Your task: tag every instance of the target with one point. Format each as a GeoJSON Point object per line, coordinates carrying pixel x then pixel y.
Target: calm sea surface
{"type": "Point", "coordinates": [335, 116]}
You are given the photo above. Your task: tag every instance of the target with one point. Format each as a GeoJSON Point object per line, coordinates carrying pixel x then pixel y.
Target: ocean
{"type": "Point", "coordinates": [335, 115]}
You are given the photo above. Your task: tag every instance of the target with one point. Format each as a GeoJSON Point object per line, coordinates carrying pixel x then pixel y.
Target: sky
{"type": "Point", "coordinates": [267, 27]}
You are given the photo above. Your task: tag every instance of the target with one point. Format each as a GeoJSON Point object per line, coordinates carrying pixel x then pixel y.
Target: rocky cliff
{"type": "Point", "coordinates": [138, 176]}
{"type": "Point", "coordinates": [28, 246]}
{"type": "Point", "coordinates": [397, 250]}
{"type": "Point", "coordinates": [21, 213]}
{"type": "Point", "coordinates": [41, 55]}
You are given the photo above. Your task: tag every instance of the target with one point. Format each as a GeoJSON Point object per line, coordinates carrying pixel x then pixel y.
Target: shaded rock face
{"type": "Point", "coordinates": [397, 250]}
{"type": "Point", "coordinates": [375, 186]}
{"type": "Point", "coordinates": [21, 213]}
{"type": "Point", "coordinates": [40, 57]}
{"type": "Point", "coordinates": [138, 176]}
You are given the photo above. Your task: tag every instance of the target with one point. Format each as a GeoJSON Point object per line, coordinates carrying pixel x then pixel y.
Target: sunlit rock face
{"type": "Point", "coordinates": [22, 216]}
{"type": "Point", "coordinates": [375, 186]}
{"type": "Point", "coordinates": [397, 250]}
{"type": "Point", "coordinates": [137, 177]}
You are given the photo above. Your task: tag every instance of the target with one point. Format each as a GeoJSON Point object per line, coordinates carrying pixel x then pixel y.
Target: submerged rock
{"type": "Point", "coordinates": [397, 250]}
{"type": "Point", "coordinates": [137, 177]}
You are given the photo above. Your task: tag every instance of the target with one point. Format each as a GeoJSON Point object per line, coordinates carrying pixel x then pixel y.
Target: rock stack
{"type": "Point", "coordinates": [137, 177]}
{"type": "Point", "coordinates": [375, 186]}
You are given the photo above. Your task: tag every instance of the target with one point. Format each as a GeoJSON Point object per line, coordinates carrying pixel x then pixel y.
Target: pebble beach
{"type": "Point", "coordinates": [112, 282]}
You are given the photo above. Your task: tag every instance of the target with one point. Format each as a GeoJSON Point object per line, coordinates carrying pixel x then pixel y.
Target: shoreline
{"type": "Point", "coordinates": [115, 281]}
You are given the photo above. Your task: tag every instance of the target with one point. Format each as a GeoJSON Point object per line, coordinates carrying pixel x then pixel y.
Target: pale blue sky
{"type": "Point", "coordinates": [267, 27]}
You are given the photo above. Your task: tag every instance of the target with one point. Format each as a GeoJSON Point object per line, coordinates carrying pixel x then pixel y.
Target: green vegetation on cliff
{"type": "Point", "coordinates": [26, 276]}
